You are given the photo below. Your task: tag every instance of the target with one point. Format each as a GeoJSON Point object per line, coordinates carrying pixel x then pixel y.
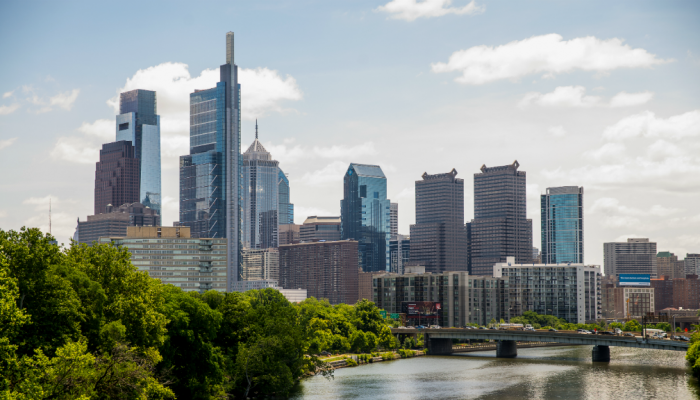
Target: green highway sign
{"type": "Point", "coordinates": [383, 313]}
{"type": "Point", "coordinates": [394, 316]}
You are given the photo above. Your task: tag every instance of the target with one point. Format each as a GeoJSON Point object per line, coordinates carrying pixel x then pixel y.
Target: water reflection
{"type": "Point", "coordinates": [541, 373]}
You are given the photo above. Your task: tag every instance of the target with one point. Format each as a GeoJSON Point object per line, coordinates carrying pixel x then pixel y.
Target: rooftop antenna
{"type": "Point", "coordinates": [256, 128]}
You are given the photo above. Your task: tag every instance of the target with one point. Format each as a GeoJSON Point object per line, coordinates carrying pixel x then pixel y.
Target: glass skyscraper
{"type": "Point", "coordinates": [562, 225]}
{"type": "Point", "coordinates": [139, 123]}
{"type": "Point", "coordinates": [286, 208]}
{"type": "Point", "coordinates": [210, 183]}
{"type": "Point", "coordinates": [365, 215]}
{"type": "Point", "coordinates": [260, 197]}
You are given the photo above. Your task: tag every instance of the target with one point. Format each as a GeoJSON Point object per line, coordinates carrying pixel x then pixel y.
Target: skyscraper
{"type": "Point", "coordinates": [500, 227]}
{"type": "Point", "coordinates": [285, 208]}
{"type": "Point", "coordinates": [364, 215]}
{"type": "Point", "coordinates": [636, 256]}
{"type": "Point", "coordinates": [260, 197]}
{"type": "Point", "coordinates": [210, 184]}
{"type": "Point", "coordinates": [562, 225]}
{"type": "Point", "coordinates": [116, 176]}
{"type": "Point", "coordinates": [394, 221]}
{"type": "Point", "coordinates": [139, 123]}
{"type": "Point", "coordinates": [438, 239]}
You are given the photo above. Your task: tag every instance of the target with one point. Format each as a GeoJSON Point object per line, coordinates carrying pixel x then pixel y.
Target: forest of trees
{"type": "Point", "coordinates": [83, 323]}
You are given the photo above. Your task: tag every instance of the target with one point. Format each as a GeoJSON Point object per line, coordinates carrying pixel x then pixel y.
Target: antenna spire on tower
{"type": "Point", "coordinates": [256, 128]}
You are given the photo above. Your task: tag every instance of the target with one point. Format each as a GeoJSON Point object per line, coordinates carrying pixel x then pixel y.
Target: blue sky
{"type": "Point", "coordinates": [598, 94]}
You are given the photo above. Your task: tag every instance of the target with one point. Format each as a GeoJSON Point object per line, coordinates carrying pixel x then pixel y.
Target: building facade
{"type": "Point", "coordinates": [365, 215]}
{"type": "Point", "coordinates": [210, 175]}
{"type": "Point", "coordinates": [289, 234]}
{"type": "Point", "coordinates": [438, 239]}
{"type": "Point", "coordinates": [568, 291]}
{"type": "Point", "coordinates": [636, 256]}
{"type": "Point", "coordinates": [172, 256]}
{"type": "Point", "coordinates": [260, 264]}
{"type": "Point", "coordinates": [668, 264]}
{"type": "Point", "coordinates": [692, 264]}
{"type": "Point", "coordinates": [114, 222]}
{"type": "Point", "coordinates": [316, 229]}
{"type": "Point", "coordinates": [562, 225]}
{"type": "Point", "coordinates": [138, 122]}
{"type": "Point", "coordinates": [400, 249]}
{"type": "Point", "coordinates": [116, 176]}
{"type": "Point", "coordinates": [394, 219]}
{"type": "Point", "coordinates": [634, 302]}
{"type": "Point", "coordinates": [663, 293]}
{"type": "Point", "coordinates": [686, 292]}
{"type": "Point", "coordinates": [285, 207]}
{"type": "Point", "coordinates": [327, 270]}
{"type": "Point", "coordinates": [500, 227]}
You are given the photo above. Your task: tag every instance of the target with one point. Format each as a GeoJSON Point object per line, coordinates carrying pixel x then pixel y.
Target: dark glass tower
{"type": "Point", "coordinates": [562, 225]}
{"type": "Point", "coordinates": [210, 184]}
{"type": "Point", "coordinates": [438, 239]}
{"type": "Point", "coordinates": [286, 208]}
{"type": "Point", "coordinates": [500, 227]}
{"type": "Point", "coordinates": [139, 123]}
{"type": "Point", "coordinates": [365, 215]}
{"type": "Point", "coordinates": [116, 176]}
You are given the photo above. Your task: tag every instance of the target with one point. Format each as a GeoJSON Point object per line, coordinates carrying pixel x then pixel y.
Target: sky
{"type": "Point", "coordinates": [599, 94]}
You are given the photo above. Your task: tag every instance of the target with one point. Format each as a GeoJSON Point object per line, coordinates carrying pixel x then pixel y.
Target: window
{"type": "Point", "coordinates": [376, 195]}
{"type": "Point", "coordinates": [363, 191]}
{"type": "Point", "coordinates": [124, 126]}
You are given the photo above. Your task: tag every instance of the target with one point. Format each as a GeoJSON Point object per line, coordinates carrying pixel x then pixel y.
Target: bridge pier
{"type": "Point", "coordinates": [506, 349]}
{"type": "Point", "coordinates": [601, 353]}
{"type": "Point", "coordinates": [438, 346]}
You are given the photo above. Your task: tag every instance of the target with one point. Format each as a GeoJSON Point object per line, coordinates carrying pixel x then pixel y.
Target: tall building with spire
{"type": "Point", "coordinates": [138, 123]}
{"type": "Point", "coordinates": [210, 184]}
{"type": "Point", "coordinates": [260, 197]}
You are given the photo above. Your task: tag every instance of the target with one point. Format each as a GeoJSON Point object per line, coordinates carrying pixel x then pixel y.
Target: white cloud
{"type": "Point", "coordinates": [263, 90]}
{"type": "Point", "coordinates": [575, 96]}
{"type": "Point", "coordinates": [4, 110]}
{"type": "Point", "coordinates": [287, 154]}
{"type": "Point", "coordinates": [608, 152]}
{"type": "Point", "coordinates": [7, 94]}
{"type": "Point", "coordinates": [42, 203]}
{"type": "Point", "coordinates": [548, 54]}
{"type": "Point", "coordinates": [345, 152]}
{"type": "Point", "coordinates": [3, 214]}
{"type": "Point", "coordinates": [646, 124]}
{"type": "Point", "coordinates": [65, 100]}
{"type": "Point", "coordinates": [407, 193]}
{"type": "Point", "coordinates": [624, 99]}
{"type": "Point", "coordinates": [102, 128]}
{"type": "Point", "coordinates": [616, 215]}
{"type": "Point", "coordinates": [75, 149]}
{"type": "Point", "coordinates": [557, 131]}
{"type": "Point", "coordinates": [410, 10]}
{"type": "Point", "coordinates": [7, 142]}
{"type": "Point", "coordinates": [331, 173]}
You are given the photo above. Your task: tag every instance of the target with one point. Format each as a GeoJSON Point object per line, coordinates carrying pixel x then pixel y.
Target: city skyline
{"type": "Point", "coordinates": [625, 131]}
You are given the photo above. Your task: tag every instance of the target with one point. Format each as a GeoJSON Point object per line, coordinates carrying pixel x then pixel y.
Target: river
{"type": "Point", "coordinates": [539, 373]}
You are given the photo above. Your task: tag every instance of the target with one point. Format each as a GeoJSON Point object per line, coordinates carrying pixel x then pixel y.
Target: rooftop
{"type": "Point", "coordinates": [368, 170]}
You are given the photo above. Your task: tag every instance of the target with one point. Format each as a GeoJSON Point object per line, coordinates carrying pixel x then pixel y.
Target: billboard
{"type": "Point", "coordinates": [421, 309]}
{"type": "Point", "coordinates": [635, 280]}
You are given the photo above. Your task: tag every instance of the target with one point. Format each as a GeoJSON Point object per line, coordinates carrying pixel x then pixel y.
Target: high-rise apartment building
{"type": "Point", "coordinates": [686, 292]}
{"type": "Point", "coordinates": [500, 227]}
{"type": "Point", "coordinates": [316, 229]}
{"type": "Point", "coordinates": [438, 239]}
{"type": "Point", "coordinates": [210, 184]}
{"type": "Point", "coordinates": [116, 176]}
{"type": "Point", "coordinates": [636, 256]}
{"type": "Point", "coordinates": [138, 122]}
{"type": "Point", "coordinates": [692, 264]}
{"type": "Point", "coordinates": [668, 264]}
{"type": "Point", "coordinates": [327, 270]}
{"type": "Point", "coordinates": [260, 264]}
{"type": "Point", "coordinates": [114, 221]}
{"type": "Point", "coordinates": [400, 249]}
{"type": "Point", "coordinates": [562, 225]}
{"type": "Point", "coordinates": [365, 215]}
{"type": "Point", "coordinates": [663, 293]}
{"type": "Point", "coordinates": [285, 208]}
{"type": "Point", "coordinates": [394, 219]}
{"type": "Point", "coordinates": [260, 197]}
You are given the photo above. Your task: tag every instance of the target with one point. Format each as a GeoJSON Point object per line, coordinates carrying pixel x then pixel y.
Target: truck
{"type": "Point", "coordinates": [511, 327]}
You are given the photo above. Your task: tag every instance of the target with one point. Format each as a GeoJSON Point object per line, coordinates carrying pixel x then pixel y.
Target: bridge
{"type": "Point", "coordinates": [439, 341]}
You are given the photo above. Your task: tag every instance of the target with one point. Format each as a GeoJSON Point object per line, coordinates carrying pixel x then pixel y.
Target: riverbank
{"type": "Point", "coordinates": [354, 360]}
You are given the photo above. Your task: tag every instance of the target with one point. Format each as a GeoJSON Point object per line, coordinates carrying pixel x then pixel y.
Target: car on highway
{"type": "Point", "coordinates": [434, 326]}
{"type": "Point", "coordinates": [482, 327]}
{"type": "Point", "coordinates": [684, 338]}
{"type": "Point", "coordinates": [606, 333]}
{"type": "Point", "coordinates": [553, 330]}
{"type": "Point", "coordinates": [583, 331]}
{"type": "Point", "coordinates": [420, 327]}
{"type": "Point", "coordinates": [493, 328]}
{"type": "Point", "coordinates": [531, 329]}
{"type": "Point", "coordinates": [629, 334]}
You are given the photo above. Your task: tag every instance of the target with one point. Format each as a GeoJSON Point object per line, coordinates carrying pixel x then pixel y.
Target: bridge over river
{"type": "Point", "coordinates": [439, 341]}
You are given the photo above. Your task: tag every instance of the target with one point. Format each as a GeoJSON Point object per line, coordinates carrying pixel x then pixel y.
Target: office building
{"type": "Point", "coordinates": [394, 219]}
{"type": "Point", "coordinates": [114, 221]}
{"type": "Point", "coordinates": [562, 225]}
{"type": "Point", "coordinates": [172, 256]}
{"type": "Point", "coordinates": [260, 197]}
{"type": "Point", "coordinates": [500, 227]}
{"type": "Point", "coordinates": [116, 176]}
{"type": "Point", "coordinates": [686, 292]}
{"type": "Point", "coordinates": [607, 294]}
{"type": "Point", "coordinates": [365, 215]}
{"type": "Point", "coordinates": [242, 286]}
{"type": "Point", "coordinates": [668, 264]}
{"type": "Point", "coordinates": [210, 198]}
{"type": "Point", "coordinates": [400, 249]}
{"type": "Point", "coordinates": [636, 256]}
{"type": "Point", "coordinates": [317, 229]}
{"type": "Point", "coordinates": [285, 207]}
{"type": "Point", "coordinates": [569, 291]}
{"type": "Point", "coordinates": [327, 270]}
{"type": "Point", "coordinates": [289, 234]}
{"type": "Point", "coordinates": [260, 264]}
{"type": "Point", "coordinates": [138, 122]}
{"type": "Point", "coordinates": [448, 299]}
{"type": "Point", "coordinates": [663, 293]}
{"type": "Point", "coordinates": [634, 302]}
{"type": "Point", "coordinates": [692, 264]}
{"type": "Point", "coordinates": [536, 256]}
{"type": "Point", "coordinates": [438, 239]}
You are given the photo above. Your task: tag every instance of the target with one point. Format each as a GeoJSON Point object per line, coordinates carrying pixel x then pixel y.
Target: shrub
{"type": "Point", "coordinates": [350, 362]}
{"type": "Point", "coordinates": [387, 356]}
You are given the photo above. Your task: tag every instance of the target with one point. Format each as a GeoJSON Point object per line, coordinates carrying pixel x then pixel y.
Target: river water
{"type": "Point", "coordinates": [539, 373]}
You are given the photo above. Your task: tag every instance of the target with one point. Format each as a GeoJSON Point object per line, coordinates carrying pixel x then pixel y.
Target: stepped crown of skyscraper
{"type": "Point", "coordinates": [256, 151]}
